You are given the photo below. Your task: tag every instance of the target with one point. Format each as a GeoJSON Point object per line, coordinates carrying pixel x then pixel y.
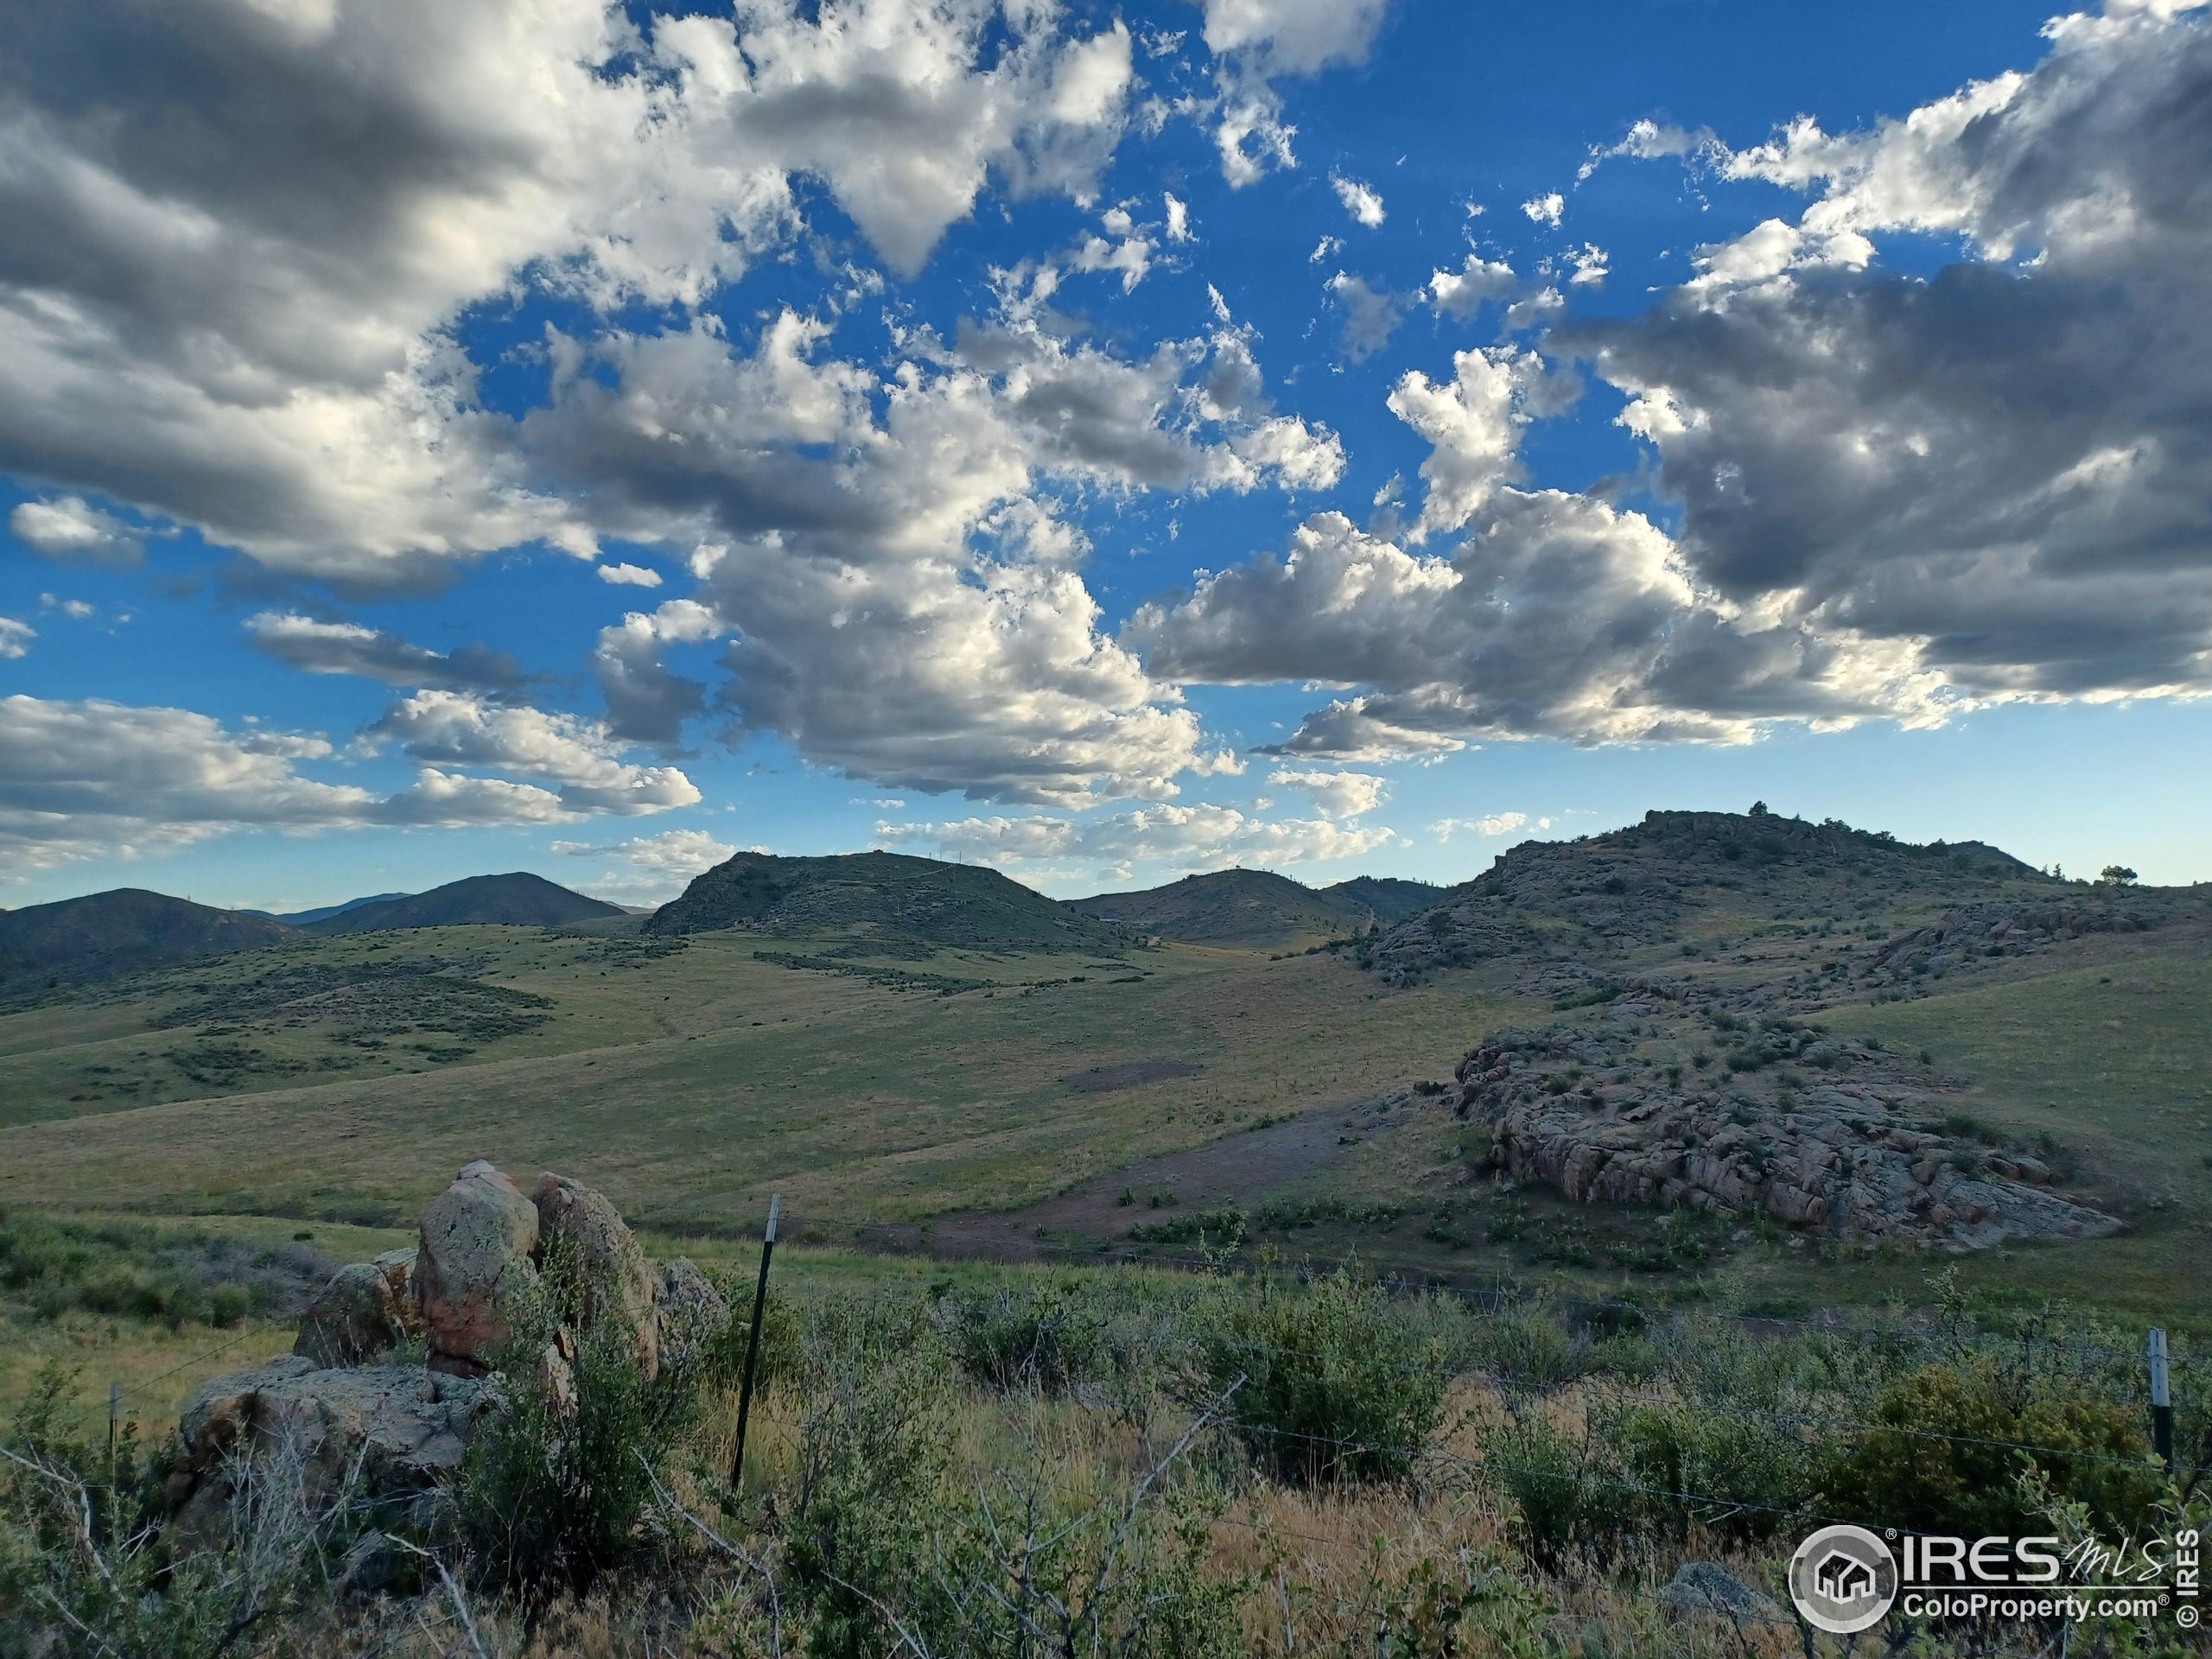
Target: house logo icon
{"type": "Point", "coordinates": [1843, 1579]}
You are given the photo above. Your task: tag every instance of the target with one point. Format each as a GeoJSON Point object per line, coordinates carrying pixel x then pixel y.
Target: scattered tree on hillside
{"type": "Point", "coordinates": [2116, 875]}
{"type": "Point", "coordinates": [1758, 808]}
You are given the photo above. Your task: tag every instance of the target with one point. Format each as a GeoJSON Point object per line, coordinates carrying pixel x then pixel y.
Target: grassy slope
{"type": "Point", "coordinates": [2113, 1058]}
{"type": "Point", "coordinates": [690, 1084]}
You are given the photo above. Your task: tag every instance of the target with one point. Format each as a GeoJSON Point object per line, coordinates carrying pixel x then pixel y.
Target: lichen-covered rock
{"type": "Point", "coordinates": [1704, 1587]}
{"type": "Point", "coordinates": [474, 1270]}
{"type": "Point", "coordinates": [366, 1310]}
{"type": "Point", "coordinates": [376, 1433]}
{"type": "Point", "coordinates": [613, 1284]}
{"type": "Point", "coordinates": [689, 1313]}
{"type": "Point", "coordinates": [1828, 1157]}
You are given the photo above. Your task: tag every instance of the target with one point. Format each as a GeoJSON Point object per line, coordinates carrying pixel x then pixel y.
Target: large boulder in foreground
{"type": "Point", "coordinates": [613, 1284]}
{"type": "Point", "coordinates": [365, 1310]}
{"type": "Point", "coordinates": [376, 1433]}
{"type": "Point", "coordinates": [475, 1270]}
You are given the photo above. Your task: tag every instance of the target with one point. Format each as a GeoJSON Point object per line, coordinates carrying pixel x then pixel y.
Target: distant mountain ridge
{"type": "Point", "coordinates": [1245, 909]}
{"type": "Point", "coordinates": [126, 931]}
{"type": "Point", "coordinates": [302, 917]}
{"type": "Point", "coordinates": [516, 899]}
{"type": "Point", "coordinates": [891, 896]}
{"type": "Point", "coordinates": [1390, 898]}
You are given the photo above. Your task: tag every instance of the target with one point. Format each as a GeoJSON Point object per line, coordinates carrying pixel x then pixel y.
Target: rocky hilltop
{"type": "Point", "coordinates": [1689, 958]}
{"type": "Point", "coordinates": [398, 1360]}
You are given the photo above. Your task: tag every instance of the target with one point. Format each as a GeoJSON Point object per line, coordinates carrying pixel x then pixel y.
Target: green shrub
{"type": "Point", "coordinates": [1526, 1345]}
{"type": "Point", "coordinates": [874, 1475]}
{"type": "Point", "coordinates": [1733, 1473]}
{"type": "Point", "coordinates": [1566, 1494]}
{"type": "Point", "coordinates": [85, 1567]}
{"type": "Point", "coordinates": [1339, 1381]}
{"type": "Point", "coordinates": [557, 1478]}
{"type": "Point", "coordinates": [1012, 1337]}
{"type": "Point", "coordinates": [1953, 1446]}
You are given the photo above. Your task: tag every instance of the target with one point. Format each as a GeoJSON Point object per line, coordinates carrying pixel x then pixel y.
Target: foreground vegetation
{"type": "Point", "coordinates": [1031, 1462]}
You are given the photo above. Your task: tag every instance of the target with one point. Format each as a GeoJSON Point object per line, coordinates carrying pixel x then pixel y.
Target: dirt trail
{"type": "Point", "coordinates": [1239, 1169]}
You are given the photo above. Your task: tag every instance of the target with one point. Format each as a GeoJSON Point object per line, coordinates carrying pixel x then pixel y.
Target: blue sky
{"type": "Point", "coordinates": [1339, 435]}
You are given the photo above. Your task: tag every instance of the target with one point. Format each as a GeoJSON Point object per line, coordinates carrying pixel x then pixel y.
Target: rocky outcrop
{"type": "Point", "coordinates": [366, 1310]}
{"type": "Point", "coordinates": [360, 1425]}
{"type": "Point", "coordinates": [378, 1433]}
{"type": "Point", "coordinates": [1706, 1587]}
{"type": "Point", "coordinates": [1972, 933]}
{"type": "Point", "coordinates": [475, 1268]}
{"type": "Point", "coordinates": [1847, 1156]}
{"type": "Point", "coordinates": [608, 1278]}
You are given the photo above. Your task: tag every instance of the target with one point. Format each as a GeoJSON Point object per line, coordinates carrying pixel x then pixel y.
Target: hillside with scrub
{"type": "Point", "coordinates": [1523, 1273]}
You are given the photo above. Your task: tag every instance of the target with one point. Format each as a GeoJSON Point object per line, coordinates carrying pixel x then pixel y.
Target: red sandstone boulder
{"type": "Point", "coordinates": [474, 1271]}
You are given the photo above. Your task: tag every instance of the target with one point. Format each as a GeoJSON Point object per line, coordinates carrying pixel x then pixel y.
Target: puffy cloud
{"type": "Point", "coordinates": [1996, 474]}
{"type": "Point", "coordinates": [1494, 824]}
{"type": "Point", "coordinates": [1372, 314]}
{"type": "Point", "coordinates": [1361, 201]}
{"type": "Point", "coordinates": [94, 778]}
{"type": "Point", "coordinates": [1592, 264]}
{"type": "Point", "coordinates": [646, 701]}
{"type": "Point", "coordinates": [652, 868]}
{"type": "Point", "coordinates": [1130, 258]}
{"type": "Point", "coordinates": [1294, 37]}
{"type": "Point", "coordinates": [217, 304]}
{"type": "Point", "coordinates": [450, 728]}
{"type": "Point", "coordinates": [68, 529]}
{"type": "Point", "coordinates": [16, 637]}
{"type": "Point", "coordinates": [1172, 836]}
{"type": "Point", "coordinates": [1260, 41]}
{"type": "Point", "coordinates": [629, 575]}
{"type": "Point", "coordinates": [1462, 292]}
{"type": "Point", "coordinates": [1179, 218]}
{"type": "Point", "coordinates": [1558, 616]}
{"type": "Point", "coordinates": [1338, 794]}
{"type": "Point", "coordinates": [900, 595]}
{"type": "Point", "coordinates": [320, 647]}
{"type": "Point", "coordinates": [1545, 209]}
{"type": "Point", "coordinates": [1473, 424]}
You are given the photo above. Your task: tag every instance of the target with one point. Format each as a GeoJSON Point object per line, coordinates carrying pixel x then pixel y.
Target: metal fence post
{"type": "Point", "coordinates": [753, 1345]}
{"type": "Point", "coordinates": [2162, 1401]}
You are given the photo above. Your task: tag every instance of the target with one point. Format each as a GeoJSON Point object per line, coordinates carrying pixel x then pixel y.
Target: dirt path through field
{"type": "Point", "coordinates": [1241, 1169]}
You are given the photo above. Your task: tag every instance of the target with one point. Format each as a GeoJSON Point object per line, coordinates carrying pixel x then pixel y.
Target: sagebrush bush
{"type": "Point", "coordinates": [1340, 1381]}
{"type": "Point", "coordinates": [1567, 1492]}
{"type": "Point", "coordinates": [1048, 1337]}
{"type": "Point", "coordinates": [87, 1571]}
{"type": "Point", "coordinates": [1960, 1446]}
{"type": "Point", "coordinates": [557, 1478]}
{"type": "Point", "coordinates": [121, 1270]}
{"type": "Point", "coordinates": [1685, 1463]}
{"type": "Point", "coordinates": [874, 1463]}
{"type": "Point", "coordinates": [1527, 1344]}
